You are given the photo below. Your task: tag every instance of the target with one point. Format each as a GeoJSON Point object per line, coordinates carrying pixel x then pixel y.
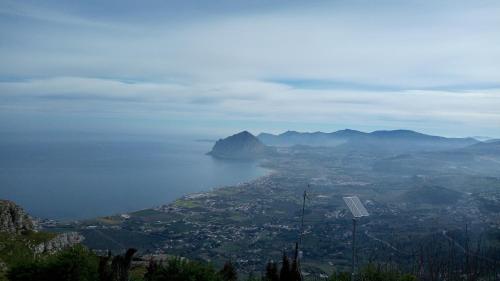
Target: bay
{"type": "Point", "coordinates": [68, 180]}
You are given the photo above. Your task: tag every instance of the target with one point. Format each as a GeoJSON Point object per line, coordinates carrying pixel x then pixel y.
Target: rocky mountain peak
{"type": "Point", "coordinates": [242, 145]}
{"type": "Point", "coordinates": [13, 219]}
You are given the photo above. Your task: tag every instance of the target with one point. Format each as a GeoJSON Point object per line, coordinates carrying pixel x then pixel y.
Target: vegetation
{"type": "Point", "coordinates": [74, 264]}
{"type": "Point", "coordinates": [177, 269]}
{"type": "Point", "coordinates": [18, 248]}
{"type": "Point", "coordinates": [80, 264]}
{"type": "Point", "coordinates": [373, 272]}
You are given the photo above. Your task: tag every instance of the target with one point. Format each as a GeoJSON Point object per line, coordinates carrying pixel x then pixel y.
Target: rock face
{"type": "Point", "coordinates": [59, 242]}
{"type": "Point", "coordinates": [13, 219]}
{"type": "Point", "coordinates": [239, 146]}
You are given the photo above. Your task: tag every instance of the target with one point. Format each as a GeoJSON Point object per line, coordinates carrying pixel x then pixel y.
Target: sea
{"type": "Point", "coordinates": [78, 179]}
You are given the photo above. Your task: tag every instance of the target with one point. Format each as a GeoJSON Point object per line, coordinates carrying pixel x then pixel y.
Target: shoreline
{"type": "Point", "coordinates": [49, 221]}
{"type": "Point", "coordinates": [194, 195]}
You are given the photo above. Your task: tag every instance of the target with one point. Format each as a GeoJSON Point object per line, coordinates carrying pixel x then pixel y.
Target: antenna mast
{"type": "Point", "coordinates": [302, 217]}
{"type": "Point", "coordinates": [297, 261]}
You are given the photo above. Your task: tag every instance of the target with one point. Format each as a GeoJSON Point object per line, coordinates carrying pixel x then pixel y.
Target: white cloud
{"type": "Point", "coordinates": [256, 101]}
{"type": "Point", "coordinates": [220, 66]}
{"type": "Point", "coordinates": [426, 46]}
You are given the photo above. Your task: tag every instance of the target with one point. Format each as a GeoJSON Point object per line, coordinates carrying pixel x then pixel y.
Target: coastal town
{"type": "Point", "coordinates": [251, 222]}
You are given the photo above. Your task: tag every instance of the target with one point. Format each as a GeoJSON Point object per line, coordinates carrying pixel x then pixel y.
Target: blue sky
{"type": "Point", "coordinates": [216, 67]}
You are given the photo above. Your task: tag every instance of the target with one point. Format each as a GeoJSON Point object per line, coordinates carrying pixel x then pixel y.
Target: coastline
{"type": "Point", "coordinates": [82, 180]}
{"type": "Point", "coordinates": [50, 223]}
{"type": "Point", "coordinates": [209, 192]}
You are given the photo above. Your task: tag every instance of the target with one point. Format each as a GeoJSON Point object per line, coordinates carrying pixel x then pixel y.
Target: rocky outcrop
{"type": "Point", "coordinates": [240, 146]}
{"type": "Point", "coordinates": [13, 219]}
{"type": "Point", "coordinates": [59, 242]}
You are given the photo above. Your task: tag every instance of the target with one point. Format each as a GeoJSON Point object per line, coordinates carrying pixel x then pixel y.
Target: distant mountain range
{"type": "Point", "coordinates": [488, 147]}
{"type": "Point", "coordinates": [244, 145]}
{"type": "Point", "coordinates": [397, 140]}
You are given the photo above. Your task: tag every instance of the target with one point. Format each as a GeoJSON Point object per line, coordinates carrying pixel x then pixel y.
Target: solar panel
{"type": "Point", "coordinates": [355, 206]}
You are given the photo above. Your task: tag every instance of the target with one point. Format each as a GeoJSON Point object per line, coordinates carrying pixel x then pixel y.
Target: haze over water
{"type": "Point", "coordinates": [75, 179]}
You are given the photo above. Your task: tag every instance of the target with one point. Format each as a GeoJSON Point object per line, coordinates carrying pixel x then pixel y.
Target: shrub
{"type": "Point", "coordinates": [73, 264]}
{"type": "Point", "coordinates": [180, 270]}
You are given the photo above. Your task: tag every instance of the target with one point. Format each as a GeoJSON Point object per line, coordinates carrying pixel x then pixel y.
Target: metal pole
{"type": "Point", "coordinates": [353, 249]}
{"type": "Point", "coordinates": [302, 219]}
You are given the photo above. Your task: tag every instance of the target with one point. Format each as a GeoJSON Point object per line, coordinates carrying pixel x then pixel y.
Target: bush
{"type": "Point", "coordinates": [372, 272]}
{"type": "Point", "coordinates": [180, 270]}
{"type": "Point", "coordinates": [72, 264]}
{"type": "Point", "coordinates": [341, 276]}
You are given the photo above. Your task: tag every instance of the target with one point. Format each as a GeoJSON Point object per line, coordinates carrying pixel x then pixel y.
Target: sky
{"type": "Point", "coordinates": [212, 68]}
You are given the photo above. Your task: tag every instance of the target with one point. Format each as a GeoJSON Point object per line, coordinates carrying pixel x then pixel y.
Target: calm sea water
{"type": "Point", "coordinates": [83, 179]}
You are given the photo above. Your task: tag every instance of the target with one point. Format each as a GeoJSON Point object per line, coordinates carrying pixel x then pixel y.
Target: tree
{"type": "Point", "coordinates": [103, 269]}
{"type": "Point", "coordinates": [72, 264]}
{"type": "Point", "coordinates": [252, 277]}
{"type": "Point", "coordinates": [228, 272]}
{"type": "Point", "coordinates": [119, 268]}
{"type": "Point", "coordinates": [340, 276]}
{"type": "Point", "coordinates": [285, 268]}
{"type": "Point", "coordinates": [295, 271]}
{"type": "Point", "coordinates": [151, 269]}
{"type": "Point", "coordinates": [272, 272]}
{"type": "Point", "coordinates": [177, 269]}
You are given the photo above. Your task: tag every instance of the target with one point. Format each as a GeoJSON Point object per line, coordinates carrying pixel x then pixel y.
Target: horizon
{"type": "Point", "coordinates": [209, 69]}
{"type": "Point", "coordinates": [193, 136]}
{"type": "Point", "coordinates": [366, 132]}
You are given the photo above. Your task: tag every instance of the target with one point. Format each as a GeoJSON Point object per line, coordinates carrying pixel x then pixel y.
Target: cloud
{"type": "Point", "coordinates": [255, 101]}
{"type": "Point", "coordinates": [409, 64]}
{"type": "Point", "coordinates": [430, 45]}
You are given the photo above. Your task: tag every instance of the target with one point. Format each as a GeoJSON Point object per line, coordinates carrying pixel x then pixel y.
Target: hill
{"type": "Point", "coordinates": [489, 147]}
{"type": "Point", "coordinates": [433, 195]}
{"type": "Point", "coordinates": [290, 138]}
{"type": "Point", "coordinates": [397, 141]}
{"type": "Point", "coordinates": [479, 158]}
{"type": "Point", "coordinates": [19, 240]}
{"type": "Point", "coordinates": [243, 145]}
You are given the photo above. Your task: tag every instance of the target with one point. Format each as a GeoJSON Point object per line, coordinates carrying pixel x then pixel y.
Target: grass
{"type": "Point", "coordinates": [136, 273]}
{"type": "Point", "coordinates": [39, 237]}
{"type": "Point", "coordinates": [15, 249]}
{"type": "Point", "coordinates": [110, 220]}
{"type": "Point", "coordinates": [147, 213]}
{"type": "Point", "coordinates": [186, 204]}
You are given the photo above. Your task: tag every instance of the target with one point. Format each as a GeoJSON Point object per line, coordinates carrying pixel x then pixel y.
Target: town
{"type": "Point", "coordinates": [252, 222]}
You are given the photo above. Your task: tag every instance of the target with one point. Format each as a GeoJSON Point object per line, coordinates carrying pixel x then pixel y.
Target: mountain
{"type": "Point", "coordinates": [13, 219]}
{"type": "Point", "coordinates": [482, 138]}
{"type": "Point", "coordinates": [405, 141]}
{"type": "Point", "coordinates": [394, 141]}
{"type": "Point", "coordinates": [242, 145]}
{"type": "Point", "coordinates": [291, 138]}
{"type": "Point", "coordinates": [484, 148]}
{"type": "Point", "coordinates": [20, 242]}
